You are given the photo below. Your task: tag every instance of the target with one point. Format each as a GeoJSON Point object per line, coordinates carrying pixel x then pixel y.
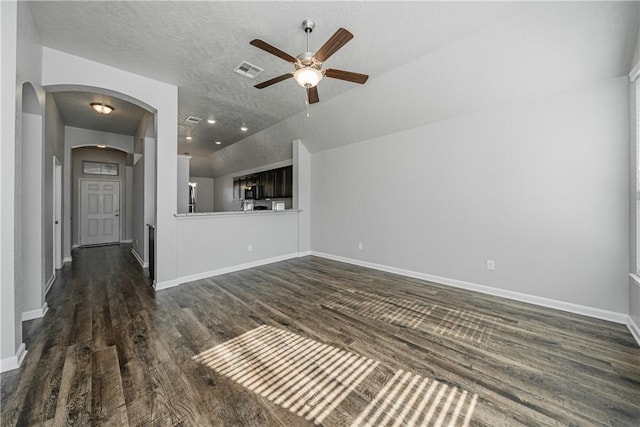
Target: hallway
{"type": "Point", "coordinates": [309, 341]}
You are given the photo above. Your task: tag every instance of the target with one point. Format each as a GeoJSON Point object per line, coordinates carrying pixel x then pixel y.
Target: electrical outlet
{"type": "Point", "coordinates": [360, 245]}
{"type": "Point", "coordinates": [250, 247]}
{"type": "Point", "coordinates": [491, 265]}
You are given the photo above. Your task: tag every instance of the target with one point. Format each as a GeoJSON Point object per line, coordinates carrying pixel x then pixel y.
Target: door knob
{"type": "Point", "coordinates": [56, 222]}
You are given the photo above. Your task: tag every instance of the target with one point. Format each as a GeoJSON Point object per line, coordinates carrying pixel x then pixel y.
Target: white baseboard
{"type": "Point", "coordinates": [223, 270]}
{"type": "Point", "coordinates": [634, 329]}
{"type": "Point", "coordinates": [305, 253]}
{"type": "Point", "coordinates": [67, 259]}
{"type": "Point", "coordinates": [35, 314]}
{"type": "Point", "coordinates": [126, 241]}
{"type": "Point", "coordinates": [49, 284]}
{"type": "Point", "coordinates": [139, 259]}
{"type": "Point", "coordinates": [597, 313]}
{"type": "Point", "coordinates": [14, 362]}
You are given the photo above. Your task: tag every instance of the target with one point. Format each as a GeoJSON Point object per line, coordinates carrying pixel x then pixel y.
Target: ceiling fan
{"type": "Point", "coordinates": [309, 72]}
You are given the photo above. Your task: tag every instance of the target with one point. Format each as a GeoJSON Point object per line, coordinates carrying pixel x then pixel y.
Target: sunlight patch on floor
{"type": "Point", "coordinates": [397, 311]}
{"type": "Point", "coordinates": [411, 400]}
{"type": "Point", "coordinates": [307, 377]}
{"type": "Point", "coordinates": [459, 324]}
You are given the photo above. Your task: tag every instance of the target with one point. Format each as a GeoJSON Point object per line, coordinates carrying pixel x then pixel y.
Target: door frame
{"type": "Point", "coordinates": [121, 215]}
{"type": "Point", "coordinates": [57, 214]}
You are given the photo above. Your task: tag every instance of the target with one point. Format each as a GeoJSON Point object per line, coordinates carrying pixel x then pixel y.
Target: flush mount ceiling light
{"type": "Point", "coordinates": [244, 128]}
{"type": "Point", "coordinates": [211, 121]}
{"type": "Point", "coordinates": [102, 108]}
{"type": "Point", "coordinates": [188, 138]}
{"type": "Point", "coordinates": [217, 142]}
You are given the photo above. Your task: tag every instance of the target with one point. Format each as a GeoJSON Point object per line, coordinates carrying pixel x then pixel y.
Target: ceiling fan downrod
{"type": "Point", "coordinates": [308, 26]}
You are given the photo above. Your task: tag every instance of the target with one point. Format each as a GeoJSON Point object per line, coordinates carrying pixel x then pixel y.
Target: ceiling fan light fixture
{"type": "Point", "coordinates": [102, 108]}
{"type": "Point", "coordinates": [307, 76]}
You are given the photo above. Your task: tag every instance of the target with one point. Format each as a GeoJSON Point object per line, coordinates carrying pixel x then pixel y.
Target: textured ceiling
{"type": "Point", "coordinates": [196, 46]}
{"type": "Point", "coordinates": [76, 111]}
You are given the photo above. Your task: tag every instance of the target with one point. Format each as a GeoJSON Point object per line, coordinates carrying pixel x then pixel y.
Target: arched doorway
{"type": "Point", "coordinates": [124, 140]}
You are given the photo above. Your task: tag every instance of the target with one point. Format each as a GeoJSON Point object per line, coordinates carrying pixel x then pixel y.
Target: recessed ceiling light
{"type": "Point", "coordinates": [102, 146]}
{"type": "Point", "coordinates": [102, 108]}
{"type": "Point", "coordinates": [188, 138]}
{"type": "Point", "coordinates": [211, 121]}
{"type": "Point", "coordinates": [244, 128]}
{"type": "Point", "coordinates": [217, 142]}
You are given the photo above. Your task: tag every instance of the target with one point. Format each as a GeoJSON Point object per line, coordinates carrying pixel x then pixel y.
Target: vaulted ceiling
{"type": "Point", "coordinates": [197, 45]}
{"type": "Point", "coordinates": [427, 61]}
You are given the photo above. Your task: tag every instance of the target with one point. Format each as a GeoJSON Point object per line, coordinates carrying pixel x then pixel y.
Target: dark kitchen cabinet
{"type": "Point", "coordinates": [271, 184]}
{"type": "Point", "coordinates": [283, 182]}
{"type": "Point", "coordinates": [266, 180]}
{"type": "Point", "coordinates": [288, 181]}
{"type": "Point", "coordinates": [278, 183]}
{"type": "Point", "coordinates": [236, 189]}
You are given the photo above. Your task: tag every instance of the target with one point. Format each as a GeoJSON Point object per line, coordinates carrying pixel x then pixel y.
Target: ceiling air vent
{"type": "Point", "coordinates": [193, 119]}
{"type": "Point", "coordinates": [247, 70]}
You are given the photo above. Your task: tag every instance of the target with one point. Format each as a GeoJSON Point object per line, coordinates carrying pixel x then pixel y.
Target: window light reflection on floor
{"type": "Point", "coordinates": [307, 377]}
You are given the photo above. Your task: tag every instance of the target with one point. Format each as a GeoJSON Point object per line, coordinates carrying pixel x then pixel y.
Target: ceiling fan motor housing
{"type": "Point", "coordinates": [307, 60]}
{"type": "Point", "coordinates": [308, 25]}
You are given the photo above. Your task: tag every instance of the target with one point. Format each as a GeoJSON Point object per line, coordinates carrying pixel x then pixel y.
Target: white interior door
{"type": "Point", "coordinates": [99, 212]}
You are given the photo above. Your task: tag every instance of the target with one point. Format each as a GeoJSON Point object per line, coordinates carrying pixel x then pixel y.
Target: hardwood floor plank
{"type": "Point", "coordinates": [107, 399]}
{"type": "Point", "coordinates": [113, 352]}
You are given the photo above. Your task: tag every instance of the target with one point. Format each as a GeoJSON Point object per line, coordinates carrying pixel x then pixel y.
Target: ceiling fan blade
{"type": "Point", "coordinates": [273, 81]}
{"type": "Point", "coordinates": [273, 50]}
{"type": "Point", "coordinates": [346, 75]}
{"type": "Point", "coordinates": [331, 46]}
{"type": "Point", "coordinates": [312, 95]}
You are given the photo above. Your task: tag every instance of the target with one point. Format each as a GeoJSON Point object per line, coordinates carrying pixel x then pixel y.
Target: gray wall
{"type": "Point", "coordinates": [138, 234]}
{"type": "Point", "coordinates": [144, 185]}
{"type": "Point", "coordinates": [204, 193]}
{"type": "Point", "coordinates": [541, 188]}
{"type": "Point", "coordinates": [182, 197]}
{"type": "Point", "coordinates": [54, 146]}
{"type": "Point", "coordinates": [30, 213]}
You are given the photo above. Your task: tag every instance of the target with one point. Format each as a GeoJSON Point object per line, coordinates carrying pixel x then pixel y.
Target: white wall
{"type": "Point", "coordinates": [302, 194]}
{"type": "Point", "coordinates": [209, 245]}
{"type": "Point", "coordinates": [128, 204]}
{"type": "Point", "coordinates": [139, 236]}
{"type": "Point", "coordinates": [143, 204]}
{"type": "Point", "coordinates": [540, 187]}
{"type": "Point", "coordinates": [31, 213]}
{"type": "Point", "coordinates": [182, 200]}
{"type": "Point", "coordinates": [634, 309]}
{"type": "Point", "coordinates": [54, 136]}
{"type": "Point", "coordinates": [10, 329]}
{"type": "Point", "coordinates": [204, 193]}
{"type": "Point", "coordinates": [149, 191]}
{"type": "Point", "coordinates": [78, 137]}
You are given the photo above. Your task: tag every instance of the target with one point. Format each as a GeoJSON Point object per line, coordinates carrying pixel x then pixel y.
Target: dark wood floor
{"type": "Point", "coordinates": [310, 341]}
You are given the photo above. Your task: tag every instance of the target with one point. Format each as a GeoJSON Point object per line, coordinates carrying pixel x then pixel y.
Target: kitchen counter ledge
{"type": "Point", "coordinates": [232, 213]}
